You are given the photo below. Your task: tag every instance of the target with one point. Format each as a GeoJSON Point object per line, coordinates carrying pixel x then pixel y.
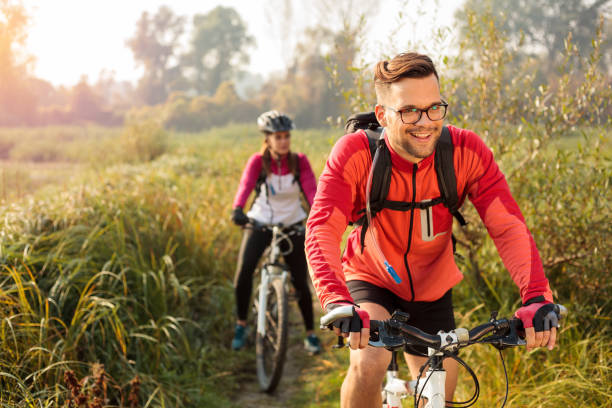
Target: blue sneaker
{"type": "Point", "coordinates": [240, 337]}
{"type": "Point", "coordinates": [312, 344]}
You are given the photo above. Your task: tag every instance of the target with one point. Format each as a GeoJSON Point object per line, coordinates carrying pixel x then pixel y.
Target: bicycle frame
{"type": "Point", "coordinates": [431, 387]}
{"type": "Point", "coordinates": [270, 271]}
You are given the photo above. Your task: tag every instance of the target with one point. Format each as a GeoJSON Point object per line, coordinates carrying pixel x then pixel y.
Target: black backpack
{"type": "Point", "coordinates": [381, 179]}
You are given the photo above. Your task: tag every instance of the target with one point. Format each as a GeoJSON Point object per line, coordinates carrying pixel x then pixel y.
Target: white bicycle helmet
{"type": "Point", "coordinates": [274, 121]}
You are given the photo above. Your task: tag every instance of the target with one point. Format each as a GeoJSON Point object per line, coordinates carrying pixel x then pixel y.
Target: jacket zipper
{"type": "Point", "coordinates": [414, 171]}
{"type": "Point", "coordinates": [278, 165]}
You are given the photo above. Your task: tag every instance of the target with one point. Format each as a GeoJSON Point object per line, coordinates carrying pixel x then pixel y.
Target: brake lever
{"type": "Point", "coordinates": [511, 339]}
{"type": "Point", "coordinates": [375, 329]}
{"type": "Point", "coordinates": [381, 335]}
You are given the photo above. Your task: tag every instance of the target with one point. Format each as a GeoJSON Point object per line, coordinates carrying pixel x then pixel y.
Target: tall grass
{"type": "Point", "coordinates": [123, 272]}
{"type": "Point", "coordinates": [74, 144]}
{"type": "Point", "coordinates": [31, 158]}
{"type": "Point", "coordinates": [131, 267]}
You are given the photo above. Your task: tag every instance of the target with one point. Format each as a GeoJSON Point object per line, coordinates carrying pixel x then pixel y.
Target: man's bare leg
{"type": "Point", "coordinates": [362, 385]}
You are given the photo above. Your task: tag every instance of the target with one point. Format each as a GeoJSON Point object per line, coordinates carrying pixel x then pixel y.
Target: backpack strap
{"type": "Point", "coordinates": [296, 179]}
{"type": "Point", "coordinates": [445, 170]}
{"type": "Point", "coordinates": [381, 177]}
{"type": "Point", "coordinates": [261, 180]}
{"type": "Point", "coordinates": [296, 175]}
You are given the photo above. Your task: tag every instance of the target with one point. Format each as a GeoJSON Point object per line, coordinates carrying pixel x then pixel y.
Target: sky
{"type": "Point", "coordinates": [71, 38]}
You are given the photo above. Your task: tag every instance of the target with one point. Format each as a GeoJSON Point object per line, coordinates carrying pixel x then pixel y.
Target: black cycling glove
{"type": "Point", "coordinates": [353, 319]}
{"type": "Point", "coordinates": [540, 314]}
{"type": "Point", "coordinates": [239, 217]}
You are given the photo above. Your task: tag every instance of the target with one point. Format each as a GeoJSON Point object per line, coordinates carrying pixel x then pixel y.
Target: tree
{"type": "Point", "coordinates": [154, 46]}
{"type": "Point", "coordinates": [218, 48]}
{"type": "Point", "coordinates": [323, 77]}
{"type": "Point", "coordinates": [17, 102]}
{"type": "Point", "coordinates": [542, 26]}
{"type": "Point", "coordinates": [308, 90]}
{"type": "Point", "coordinates": [117, 95]}
{"type": "Point", "coordinates": [85, 104]}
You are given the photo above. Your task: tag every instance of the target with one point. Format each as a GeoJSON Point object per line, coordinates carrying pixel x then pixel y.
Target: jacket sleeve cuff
{"type": "Point", "coordinates": [537, 299]}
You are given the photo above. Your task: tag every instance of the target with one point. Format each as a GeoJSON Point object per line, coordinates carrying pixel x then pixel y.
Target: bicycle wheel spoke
{"type": "Point", "coordinates": [271, 338]}
{"type": "Point", "coordinates": [270, 347]}
{"type": "Point", "coordinates": [272, 324]}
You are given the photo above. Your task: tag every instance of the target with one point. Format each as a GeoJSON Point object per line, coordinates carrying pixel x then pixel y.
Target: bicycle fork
{"type": "Point", "coordinates": [395, 388]}
{"type": "Point", "coordinates": [431, 386]}
{"type": "Point", "coordinates": [267, 277]}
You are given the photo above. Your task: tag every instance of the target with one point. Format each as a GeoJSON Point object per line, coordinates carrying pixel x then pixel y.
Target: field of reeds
{"type": "Point", "coordinates": [119, 278]}
{"type": "Point", "coordinates": [116, 280]}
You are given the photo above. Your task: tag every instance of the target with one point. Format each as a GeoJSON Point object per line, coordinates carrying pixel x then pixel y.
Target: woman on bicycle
{"type": "Point", "coordinates": [278, 176]}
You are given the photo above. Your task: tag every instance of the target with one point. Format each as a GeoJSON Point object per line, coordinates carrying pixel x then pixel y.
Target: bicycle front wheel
{"type": "Point", "coordinates": [271, 347]}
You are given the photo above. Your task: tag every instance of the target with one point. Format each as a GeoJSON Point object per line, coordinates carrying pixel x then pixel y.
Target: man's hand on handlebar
{"type": "Point", "coordinates": [540, 320]}
{"type": "Point", "coordinates": [349, 321]}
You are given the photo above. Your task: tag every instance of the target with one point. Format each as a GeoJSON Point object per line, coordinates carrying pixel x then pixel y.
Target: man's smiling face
{"type": "Point", "coordinates": [413, 142]}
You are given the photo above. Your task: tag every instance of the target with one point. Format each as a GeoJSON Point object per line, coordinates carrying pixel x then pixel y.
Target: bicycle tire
{"type": "Point", "coordinates": [271, 348]}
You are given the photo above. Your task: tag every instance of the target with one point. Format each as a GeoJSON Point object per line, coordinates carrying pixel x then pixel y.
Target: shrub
{"type": "Point", "coordinates": [143, 141]}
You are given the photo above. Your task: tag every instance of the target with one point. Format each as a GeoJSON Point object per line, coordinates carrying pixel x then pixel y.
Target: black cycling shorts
{"type": "Point", "coordinates": [430, 317]}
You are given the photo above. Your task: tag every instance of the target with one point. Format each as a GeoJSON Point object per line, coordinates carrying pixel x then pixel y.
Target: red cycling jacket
{"type": "Point", "coordinates": [421, 252]}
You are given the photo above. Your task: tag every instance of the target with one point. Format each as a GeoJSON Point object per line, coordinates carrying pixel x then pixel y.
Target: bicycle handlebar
{"type": "Point", "coordinates": [283, 233]}
{"type": "Point", "coordinates": [502, 333]}
{"type": "Point", "coordinates": [395, 332]}
{"type": "Point", "coordinates": [286, 229]}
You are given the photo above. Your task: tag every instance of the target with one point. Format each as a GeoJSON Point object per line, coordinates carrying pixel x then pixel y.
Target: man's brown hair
{"type": "Point", "coordinates": [405, 65]}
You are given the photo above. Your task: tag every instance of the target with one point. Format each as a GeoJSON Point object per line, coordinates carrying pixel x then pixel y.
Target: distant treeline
{"type": "Point", "coordinates": [205, 84]}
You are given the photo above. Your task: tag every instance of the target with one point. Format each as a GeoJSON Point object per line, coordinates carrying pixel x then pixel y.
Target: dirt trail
{"type": "Point", "coordinates": [250, 396]}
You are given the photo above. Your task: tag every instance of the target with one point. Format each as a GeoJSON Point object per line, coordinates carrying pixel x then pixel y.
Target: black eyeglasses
{"type": "Point", "coordinates": [410, 116]}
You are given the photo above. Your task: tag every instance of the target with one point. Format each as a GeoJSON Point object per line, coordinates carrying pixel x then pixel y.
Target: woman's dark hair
{"type": "Point", "coordinates": [267, 157]}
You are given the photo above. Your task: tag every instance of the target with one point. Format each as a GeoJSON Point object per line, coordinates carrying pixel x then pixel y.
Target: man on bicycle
{"type": "Point", "coordinates": [416, 242]}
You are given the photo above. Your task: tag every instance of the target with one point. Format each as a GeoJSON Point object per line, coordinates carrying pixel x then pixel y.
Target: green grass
{"type": "Point", "coordinates": [130, 265]}
{"type": "Point", "coordinates": [125, 273]}
{"type": "Point", "coordinates": [74, 144]}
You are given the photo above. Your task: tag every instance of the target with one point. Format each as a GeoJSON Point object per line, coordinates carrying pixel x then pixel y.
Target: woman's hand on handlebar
{"type": "Point", "coordinates": [239, 217]}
